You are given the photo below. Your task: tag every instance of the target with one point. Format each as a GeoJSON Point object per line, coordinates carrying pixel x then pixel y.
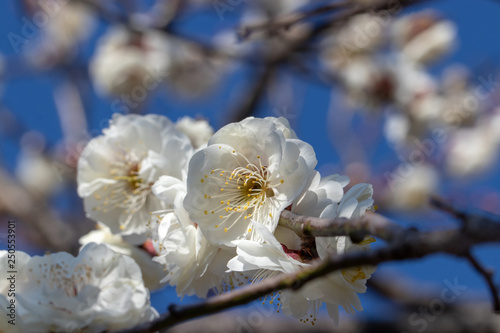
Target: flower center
{"type": "Point", "coordinates": [132, 178]}
{"type": "Point", "coordinates": [243, 190]}
{"type": "Point", "coordinates": [129, 193]}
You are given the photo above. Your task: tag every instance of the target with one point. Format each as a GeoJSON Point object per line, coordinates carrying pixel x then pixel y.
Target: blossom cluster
{"type": "Point", "coordinates": [207, 206]}
{"type": "Point", "coordinates": [177, 204]}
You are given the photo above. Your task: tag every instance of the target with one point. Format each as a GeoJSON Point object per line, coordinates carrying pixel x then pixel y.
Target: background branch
{"type": "Point", "coordinates": [488, 277]}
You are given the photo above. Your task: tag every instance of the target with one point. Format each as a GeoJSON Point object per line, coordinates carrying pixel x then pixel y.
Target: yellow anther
{"type": "Point", "coordinates": [206, 212]}
{"type": "Point", "coordinates": [282, 181]}
{"type": "Point", "coordinates": [202, 180]}
{"type": "Point", "coordinates": [225, 229]}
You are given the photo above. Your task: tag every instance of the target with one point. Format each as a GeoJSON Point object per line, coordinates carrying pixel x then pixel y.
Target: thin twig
{"type": "Point", "coordinates": [288, 21]}
{"type": "Point", "coordinates": [488, 277]}
{"type": "Point", "coordinates": [257, 91]}
{"type": "Point", "coordinates": [445, 206]}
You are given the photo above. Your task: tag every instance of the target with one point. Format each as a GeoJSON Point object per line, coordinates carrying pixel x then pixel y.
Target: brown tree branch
{"type": "Point", "coordinates": [276, 59]}
{"type": "Point", "coordinates": [369, 224]}
{"type": "Point", "coordinates": [409, 244]}
{"type": "Point", "coordinates": [488, 277]}
{"type": "Point", "coordinates": [251, 99]}
{"type": "Point", "coordinates": [288, 21]}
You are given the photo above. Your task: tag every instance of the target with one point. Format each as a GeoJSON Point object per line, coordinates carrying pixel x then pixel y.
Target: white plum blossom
{"type": "Point", "coordinates": [152, 272]}
{"type": "Point", "coordinates": [284, 252]}
{"type": "Point", "coordinates": [35, 169]}
{"type": "Point", "coordinates": [71, 22]}
{"type": "Point", "coordinates": [341, 46]}
{"type": "Point", "coordinates": [198, 131]}
{"type": "Point", "coordinates": [126, 61]}
{"type": "Point", "coordinates": [413, 191]}
{"type": "Point", "coordinates": [249, 170]}
{"type": "Point", "coordinates": [424, 37]}
{"type": "Point", "coordinates": [192, 264]}
{"type": "Point", "coordinates": [99, 290]}
{"type": "Point", "coordinates": [471, 150]}
{"type": "Point", "coordinates": [116, 171]}
{"type": "Point", "coordinates": [191, 72]}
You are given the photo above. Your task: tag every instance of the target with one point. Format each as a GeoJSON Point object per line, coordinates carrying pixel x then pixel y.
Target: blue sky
{"type": "Point", "coordinates": [29, 96]}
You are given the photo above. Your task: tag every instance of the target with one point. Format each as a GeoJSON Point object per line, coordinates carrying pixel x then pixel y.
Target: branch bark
{"type": "Point", "coordinates": [369, 224]}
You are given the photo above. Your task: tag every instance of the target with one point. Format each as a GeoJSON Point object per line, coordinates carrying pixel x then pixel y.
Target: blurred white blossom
{"type": "Point", "coordinates": [470, 151]}
{"type": "Point", "coordinates": [35, 170]}
{"type": "Point", "coordinates": [414, 191]}
{"type": "Point", "coordinates": [126, 60]}
{"type": "Point", "coordinates": [192, 71]}
{"type": "Point", "coordinates": [360, 36]}
{"type": "Point", "coordinates": [71, 23]}
{"type": "Point", "coordinates": [198, 131]}
{"type": "Point", "coordinates": [424, 37]}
